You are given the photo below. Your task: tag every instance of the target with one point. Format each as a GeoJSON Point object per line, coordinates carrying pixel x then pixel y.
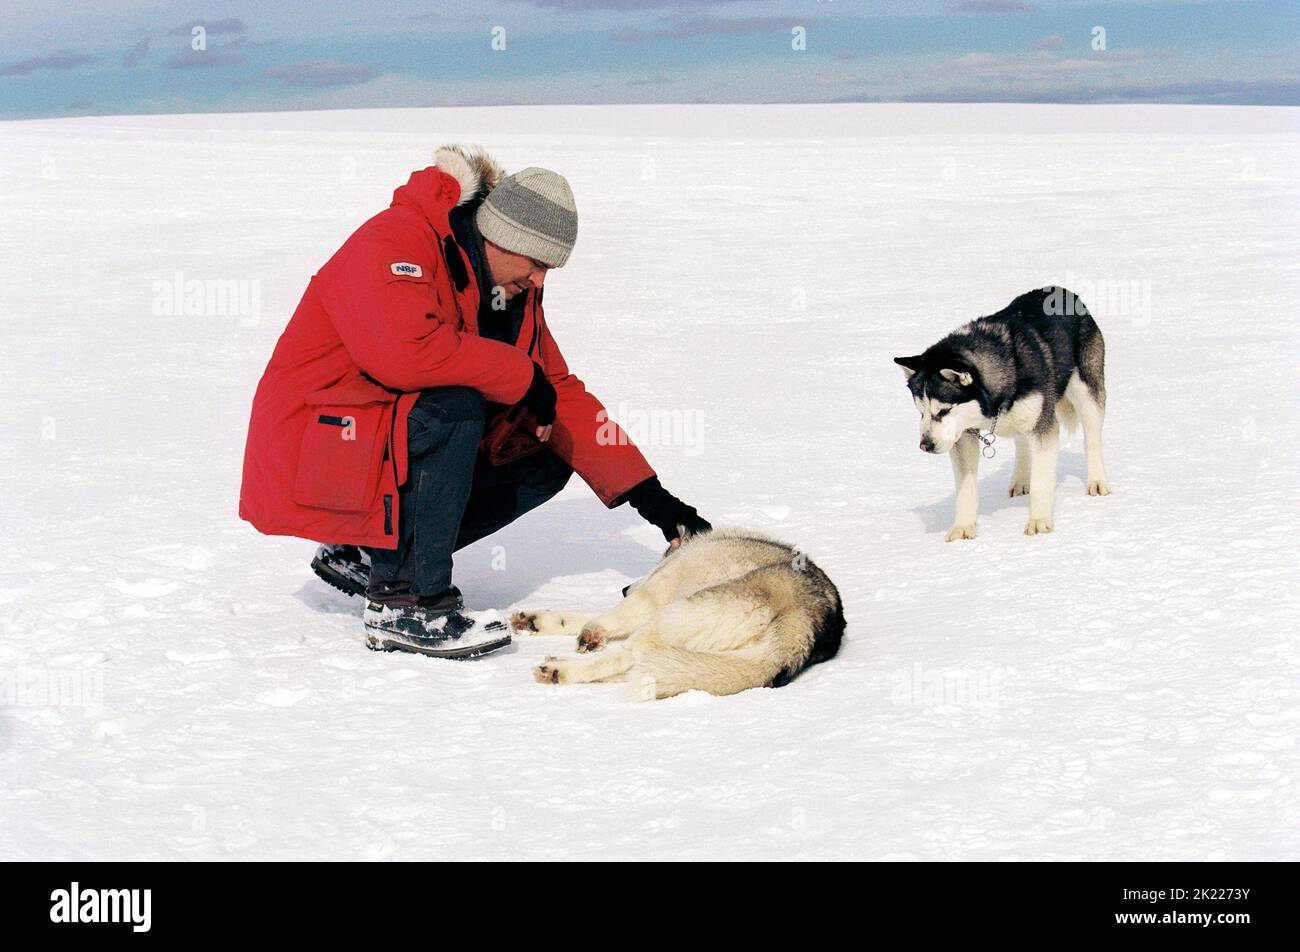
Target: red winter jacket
{"type": "Point", "coordinates": [381, 321]}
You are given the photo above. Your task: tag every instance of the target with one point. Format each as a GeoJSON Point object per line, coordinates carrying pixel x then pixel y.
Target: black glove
{"type": "Point", "coordinates": [661, 508]}
{"type": "Point", "coordinates": [540, 398]}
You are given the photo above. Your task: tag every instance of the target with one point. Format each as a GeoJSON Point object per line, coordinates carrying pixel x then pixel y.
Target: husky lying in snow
{"type": "Point", "coordinates": [1020, 372]}
{"type": "Point", "coordinates": [724, 612]}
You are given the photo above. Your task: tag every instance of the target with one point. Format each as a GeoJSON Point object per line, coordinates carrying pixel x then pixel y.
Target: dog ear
{"type": "Point", "coordinates": [910, 365]}
{"type": "Point", "coordinates": [960, 376]}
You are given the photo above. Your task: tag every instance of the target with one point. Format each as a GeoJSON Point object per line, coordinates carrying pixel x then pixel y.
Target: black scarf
{"type": "Point", "coordinates": [500, 325]}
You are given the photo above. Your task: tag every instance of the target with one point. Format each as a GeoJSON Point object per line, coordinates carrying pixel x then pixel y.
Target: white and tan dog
{"type": "Point", "coordinates": [724, 612]}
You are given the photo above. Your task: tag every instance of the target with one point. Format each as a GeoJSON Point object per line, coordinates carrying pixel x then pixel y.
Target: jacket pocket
{"type": "Point", "coordinates": [343, 447]}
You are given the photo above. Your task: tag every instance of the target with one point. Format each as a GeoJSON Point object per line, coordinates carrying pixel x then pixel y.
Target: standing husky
{"type": "Point", "coordinates": [1018, 372]}
{"type": "Point", "coordinates": [723, 612]}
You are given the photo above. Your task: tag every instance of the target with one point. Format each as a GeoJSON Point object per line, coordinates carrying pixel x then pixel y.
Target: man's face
{"type": "Point", "coordinates": [513, 273]}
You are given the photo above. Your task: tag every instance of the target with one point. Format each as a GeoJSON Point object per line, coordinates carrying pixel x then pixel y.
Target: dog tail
{"type": "Point", "coordinates": [772, 656]}
{"type": "Point", "coordinates": [665, 671]}
{"type": "Point", "coordinates": [1068, 416]}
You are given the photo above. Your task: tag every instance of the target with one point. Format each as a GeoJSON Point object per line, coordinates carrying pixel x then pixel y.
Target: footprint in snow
{"type": "Point", "coordinates": [149, 588]}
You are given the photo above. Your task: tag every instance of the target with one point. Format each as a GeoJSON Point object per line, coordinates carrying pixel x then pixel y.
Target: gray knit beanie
{"type": "Point", "coordinates": [531, 213]}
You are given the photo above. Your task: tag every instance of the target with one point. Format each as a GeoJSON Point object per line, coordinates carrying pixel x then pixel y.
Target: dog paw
{"type": "Point", "coordinates": [592, 638]}
{"type": "Point", "coordinates": [1038, 526]}
{"type": "Point", "coordinates": [549, 672]}
{"type": "Point", "coordinates": [1018, 487]}
{"type": "Point", "coordinates": [543, 623]}
{"type": "Point", "coordinates": [1098, 487]}
{"type": "Point", "coordinates": [966, 531]}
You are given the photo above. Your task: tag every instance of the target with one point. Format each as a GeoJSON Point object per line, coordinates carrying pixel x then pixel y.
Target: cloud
{"type": "Point", "coordinates": [995, 6]}
{"type": "Point", "coordinates": [1053, 41]}
{"type": "Point", "coordinates": [978, 60]}
{"type": "Point", "coordinates": [60, 60]}
{"type": "Point", "coordinates": [657, 80]}
{"type": "Point", "coordinates": [215, 58]}
{"type": "Point", "coordinates": [1033, 72]}
{"type": "Point", "coordinates": [623, 6]}
{"type": "Point", "coordinates": [1267, 92]}
{"type": "Point", "coordinates": [686, 27]}
{"type": "Point", "coordinates": [386, 90]}
{"type": "Point", "coordinates": [320, 73]}
{"type": "Point", "coordinates": [135, 54]}
{"type": "Point", "coordinates": [1078, 65]}
{"type": "Point", "coordinates": [1045, 77]}
{"type": "Point", "coordinates": [210, 27]}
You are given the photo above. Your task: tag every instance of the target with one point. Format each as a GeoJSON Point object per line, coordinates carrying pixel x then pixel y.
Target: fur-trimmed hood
{"type": "Point", "coordinates": [460, 176]}
{"type": "Point", "coordinates": [472, 167]}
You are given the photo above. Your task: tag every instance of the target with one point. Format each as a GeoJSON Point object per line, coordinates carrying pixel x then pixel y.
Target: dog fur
{"type": "Point", "coordinates": [724, 612]}
{"type": "Point", "coordinates": [1020, 373]}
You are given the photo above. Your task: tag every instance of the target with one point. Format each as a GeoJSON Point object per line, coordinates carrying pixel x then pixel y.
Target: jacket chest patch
{"type": "Point", "coordinates": [405, 269]}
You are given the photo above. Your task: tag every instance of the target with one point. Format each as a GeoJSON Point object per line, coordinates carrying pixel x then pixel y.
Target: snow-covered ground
{"type": "Point", "coordinates": [174, 685]}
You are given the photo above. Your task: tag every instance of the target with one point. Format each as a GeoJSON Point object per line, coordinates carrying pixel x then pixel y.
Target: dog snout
{"type": "Point", "coordinates": [927, 444]}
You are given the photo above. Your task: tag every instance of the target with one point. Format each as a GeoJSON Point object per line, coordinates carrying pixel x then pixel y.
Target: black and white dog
{"type": "Point", "coordinates": [1021, 372]}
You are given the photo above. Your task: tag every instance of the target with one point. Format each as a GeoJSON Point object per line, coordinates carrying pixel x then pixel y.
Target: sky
{"type": "Point", "coordinates": [62, 58]}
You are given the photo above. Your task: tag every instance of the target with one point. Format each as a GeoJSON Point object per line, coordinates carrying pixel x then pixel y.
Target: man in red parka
{"type": "Point", "coordinates": [417, 402]}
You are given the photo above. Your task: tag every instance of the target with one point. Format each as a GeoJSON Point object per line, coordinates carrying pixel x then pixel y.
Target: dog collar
{"type": "Point", "coordinates": [988, 452]}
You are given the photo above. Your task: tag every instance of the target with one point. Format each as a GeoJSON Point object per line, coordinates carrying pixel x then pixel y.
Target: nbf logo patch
{"type": "Point", "coordinates": [404, 269]}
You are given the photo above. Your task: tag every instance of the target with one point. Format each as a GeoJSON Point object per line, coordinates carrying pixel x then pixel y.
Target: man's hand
{"type": "Point", "coordinates": [540, 399]}
{"type": "Point", "coordinates": [661, 508]}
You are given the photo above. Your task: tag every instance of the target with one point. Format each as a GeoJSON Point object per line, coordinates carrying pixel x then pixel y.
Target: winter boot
{"type": "Point", "coordinates": [345, 567]}
{"type": "Point", "coordinates": [437, 626]}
